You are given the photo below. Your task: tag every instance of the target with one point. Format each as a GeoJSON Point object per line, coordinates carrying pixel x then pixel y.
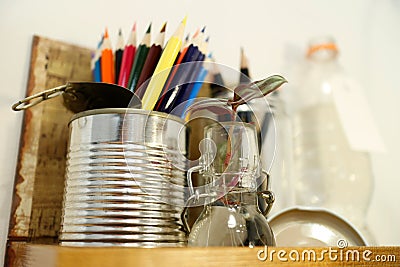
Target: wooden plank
{"type": "Point", "coordinates": [15, 254]}
{"type": "Point", "coordinates": [39, 181]}
{"type": "Point", "coordinates": [48, 256]}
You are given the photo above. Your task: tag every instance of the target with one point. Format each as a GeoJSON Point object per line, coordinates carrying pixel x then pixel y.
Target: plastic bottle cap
{"type": "Point", "coordinates": [318, 47]}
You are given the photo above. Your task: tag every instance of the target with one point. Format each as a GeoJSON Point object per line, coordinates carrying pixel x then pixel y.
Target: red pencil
{"type": "Point", "coordinates": [127, 59]}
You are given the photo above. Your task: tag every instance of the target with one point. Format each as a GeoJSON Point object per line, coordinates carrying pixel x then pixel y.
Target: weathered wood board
{"type": "Point", "coordinates": [39, 180]}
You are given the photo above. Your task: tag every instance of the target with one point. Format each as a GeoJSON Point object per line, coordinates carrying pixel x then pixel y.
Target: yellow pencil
{"type": "Point", "coordinates": [163, 68]}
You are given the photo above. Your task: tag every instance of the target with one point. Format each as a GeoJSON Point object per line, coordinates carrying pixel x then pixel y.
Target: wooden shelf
{"type": "Point", "coordinates": [48, 256]}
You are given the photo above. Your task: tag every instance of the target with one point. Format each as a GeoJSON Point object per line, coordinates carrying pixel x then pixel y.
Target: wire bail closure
{"type": "Point", "coordinates": [35, 99]}
{"type": "Point", "coordinates": [195, 196]}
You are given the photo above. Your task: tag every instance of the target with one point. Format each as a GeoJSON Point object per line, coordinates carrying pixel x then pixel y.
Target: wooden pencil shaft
{"type": "Point", "coordinates": [148, 69]}
{"type": "Point", "coordinates": [184, 92]}
{"type": "Point", "coordinates": [137, 67]}
{"type": "Point", "coordinates": [178, 77]}
{"type": "Point", "coordinates": [194, 91]}
{"type": "Point", "coordinates": [163, 68]}
{"type": "Point", "coordinates": [244, 76]}
{"type": "Point", "coordinates": [97, 71]}
{"type": "Point", "coordinates": [107, 66]}
{"type": "Point", "coordinates": [126, 65]}
{"type": "Point", "coordinates": [118, 60]}
{"type": "Point", "coordinates": [161, 72]}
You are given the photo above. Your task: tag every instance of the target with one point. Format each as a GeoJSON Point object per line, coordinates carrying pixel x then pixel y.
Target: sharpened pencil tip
{"type": "Point", "coordinates": [184, 20]}
{"type": "Point", "coordinates": [106, 33]}
{"type": "Point", "coordinates": [149, 28]}
{"type": "Point", "coordinates": [207, 39]}
{"type": "Point", "coordinates": [134, 26]}
{"type": "Point", "coordinates": [119, 32]}
{"type": "Point", "coordinates": [164, 27]}
{"type": "Point", "coordinates": [196, 33]}
{"type": "Point", "coordinates": [204, 29]}
{"type": "Point", "coordinates": [243, 59]}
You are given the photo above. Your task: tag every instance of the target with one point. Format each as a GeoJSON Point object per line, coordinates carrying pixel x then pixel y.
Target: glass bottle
{"type": "Point", "coordinates": [328, 172]}
{"type": "Point", "coordinates": [232, 220]}
{"type": "Point", "coordinates": [231, 216]}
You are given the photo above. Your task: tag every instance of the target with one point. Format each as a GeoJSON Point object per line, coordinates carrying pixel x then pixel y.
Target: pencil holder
{"type": "Point", "coordinates": [125, 179]}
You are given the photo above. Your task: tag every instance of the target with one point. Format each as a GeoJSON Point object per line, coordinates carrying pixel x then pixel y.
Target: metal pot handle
{"type": "Point", "coordinates": [35, 99]}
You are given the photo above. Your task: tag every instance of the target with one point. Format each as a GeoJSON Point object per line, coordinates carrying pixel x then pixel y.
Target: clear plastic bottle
{"type": "Point", "coordinates": [327, 171]}
{"type": "Point", "coordinates": [276, 152]}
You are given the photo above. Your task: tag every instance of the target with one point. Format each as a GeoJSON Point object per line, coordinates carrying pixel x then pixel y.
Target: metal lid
{"type": "Point", "coordinates": [310, 227]}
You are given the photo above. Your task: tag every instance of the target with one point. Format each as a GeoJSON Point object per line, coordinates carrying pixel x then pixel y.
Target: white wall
{"type": "Point", "coordinates": [366, 31]}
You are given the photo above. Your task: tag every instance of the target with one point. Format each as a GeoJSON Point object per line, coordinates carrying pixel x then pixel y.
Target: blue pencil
{"type": "Point", "coordinates": [177, 108]}
{"type": "Point", "coordinates": [181, 76]}
{"type": "Point", "coordinates": [195, 89]}
{"type": "Point", "coordinates": [97, 62]}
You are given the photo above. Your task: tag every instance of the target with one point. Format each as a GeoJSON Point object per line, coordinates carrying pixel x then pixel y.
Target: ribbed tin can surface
{"type": "Point", "coordinates": [125, 179]}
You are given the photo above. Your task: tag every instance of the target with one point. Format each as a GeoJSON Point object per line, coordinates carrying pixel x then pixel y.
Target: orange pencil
{"type": "Point", "coordinates": [107, 61]}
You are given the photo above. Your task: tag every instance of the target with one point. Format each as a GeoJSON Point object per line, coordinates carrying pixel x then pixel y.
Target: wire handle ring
{"type": "Point", "coordinates": [195, 196]}
{"type": "Point", "coordinates": [35, 99]}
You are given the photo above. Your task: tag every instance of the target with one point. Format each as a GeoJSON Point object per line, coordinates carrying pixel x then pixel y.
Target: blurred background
{"type": "Point", "coordinates": [275, 37]}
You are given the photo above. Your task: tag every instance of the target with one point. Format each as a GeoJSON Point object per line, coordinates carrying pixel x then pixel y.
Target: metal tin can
{"type": "Point", "coordinates": [125, 179]}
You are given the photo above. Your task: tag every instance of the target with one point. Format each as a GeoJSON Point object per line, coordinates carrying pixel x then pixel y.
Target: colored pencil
{"type": "Point", "coordinates": [244, 68]}
{"type": "Point", "coordinates": [162, 70]}
{"type": "Point", "coordinates": [140, 59]}
{"type": "Point", "coordinates": [185, 47]}
{"type": "Point", "coordinates": [182, 52]}
{"type": "Point", "coordinates": [151, 62]}
{"type": "Point", "coordinates": [97, 62]}
{"type": "Point", "coordinates": [197, 84]}
{"type": "Point", "coordinates": [178, 105]}
{"type": "Point", "coordinates": [186, 41]}
{"type": "Point", "coordinates": [178, 60]}
{"type": "Point", "coordinates": [179, 73]}
{"type": "Point", "coordinates": [119, 51]}
{"type": "Point", "coordinates": [107, 61]}
{"type": "Point", "coordinates": [127, 58]}
{"type": "Point", "coordinates": [171, 81]}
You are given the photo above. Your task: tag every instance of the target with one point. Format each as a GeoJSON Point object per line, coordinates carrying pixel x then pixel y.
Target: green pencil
{"type": "Point", "coordinates": [140, 59]}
